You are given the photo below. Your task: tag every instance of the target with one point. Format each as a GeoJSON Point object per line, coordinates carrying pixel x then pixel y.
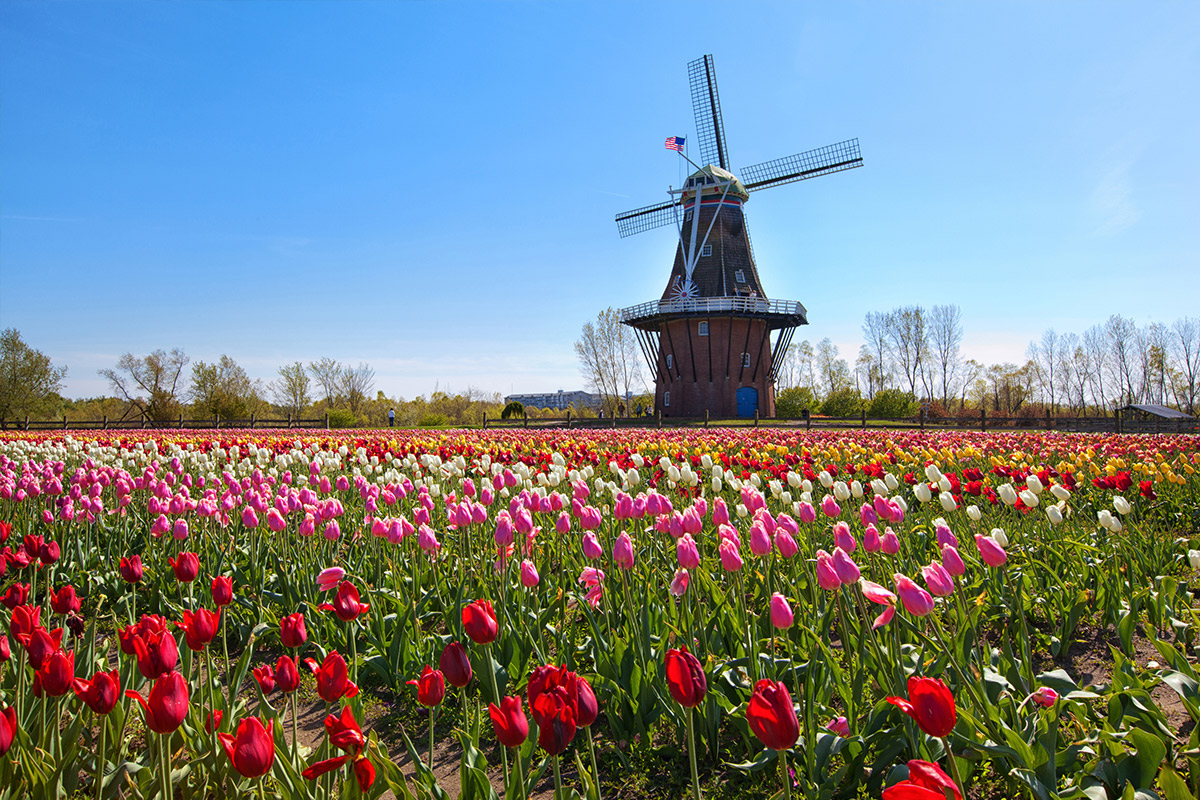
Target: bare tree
{"type": "Point", "coordinates": [355, 384]}
{"type": "Point", "coordinates": [908, 341]}
{"type": "Point", "coordinates": [868, 371]}
{"type": "Point", "coordinates": [1095, 345]}
{"type": "Point", "coordinates": [224, 389]}
{"type": "Point", "coordinates": [290, 389]}
{"type": "Point", "coordinates": [945, 337]}
{"type": "Point", "coordinates": [834, 371]}
{"type": "Point", "coordinates": [1121, 336]}
{"type": "Point", "coordinates": [328, 375]}
{"type": "Point", "coordinates": [1064, 370]}
{"type": "Point", "coordinates": [1044, 360]}
{"type": "Point", "coordinates": [973, 375]}
{"type": "Point", "coordinates": [1186, 346]}
{"type": "Point", "coordinates": [875, 328]}
{"type": "Point", "coordinates": [608, 358]}
{"type": "Point", "coordinates": [150, 383]}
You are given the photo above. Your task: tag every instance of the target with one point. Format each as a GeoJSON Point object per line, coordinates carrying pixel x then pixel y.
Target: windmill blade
{"type": "Point", "coordinates": [810, 164]}
{"type": "Point", "coordinates": [710, 127]}
{"type": "Point", "coordinates": [647, 218]}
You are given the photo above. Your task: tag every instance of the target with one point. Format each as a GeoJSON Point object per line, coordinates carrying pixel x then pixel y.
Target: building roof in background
{"type": "Point", "coordinates": [1157, 410]}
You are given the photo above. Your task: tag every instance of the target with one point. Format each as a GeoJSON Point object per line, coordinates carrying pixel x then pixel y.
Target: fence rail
{"type": "Point", "coordinates": [983, 422]}
{"type": "Point", "coordinates": [142, 423]}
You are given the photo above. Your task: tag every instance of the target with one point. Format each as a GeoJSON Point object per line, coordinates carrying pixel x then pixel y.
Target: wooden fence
{"type": "Point", "coordinates": [984, 422]}
{"type": "Point", "coordinates": [143, 423]}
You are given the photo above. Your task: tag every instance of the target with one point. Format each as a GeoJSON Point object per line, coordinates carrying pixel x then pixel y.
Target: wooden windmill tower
{"type": "Point", "coordinates": [708, 338]}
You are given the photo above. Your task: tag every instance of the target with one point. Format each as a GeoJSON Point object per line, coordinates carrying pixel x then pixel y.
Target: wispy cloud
{"type": "Point", "coordinates": [1112, 201]}
{"type": "Point", "coordinates": [40, 219]}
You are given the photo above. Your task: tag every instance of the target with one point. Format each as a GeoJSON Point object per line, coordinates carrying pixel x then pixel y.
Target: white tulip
{"type": "Point", "coordinates": [673, 473]}
{"type": "Point", "coordinates": [786, 498]}
{"type": "Point", "coordinates": [806, 485]}
{"type": "Point", "coordinates": [1054, 515]}
{"type": "Point", "coordinates": [706, 461]}
{"type": "Point", "coordinates": [933, 473]}
{"type": "Point", "coordinates": [806, 497]}
{"type": "Point", "coordinates": [1117, 527]}
{"type": "Point", "coordinates": [1122, 505]}
{"type": "Point", "coordinates": [1000, 536]}
{"type": "Point", "coordinates": [1007, 493]}
{"type": "Point", "coordinates": [1035, 484]}
{"type": "Point", "coordinates": [922, 493]}
{"type": "Point", "coordinates": [947, 500]}
{"type": "Point", "coordinates": [637, 460]}
{"type": "Point", "coordinates": [718, 471]}
{"type": "Point", "coordinates": [1105, 518]}
{"type": "Point", "coordinates": [796, 509]}
{"type": "Point", "coordinates": [1029, 498]}
{"type": "Point", "coordinates": [879, 487]}
{"type": "Point", "coordinates": [1194, 558]}
{"type": "Point", "coordinates": [944, 484]}
{"type": "Point", "coordinates": [1060, 491]}
{"type": "Point", "coordinates": [755, 481]}
{"type": "Point", "coordinates": [826, 479]}
{"type": "Point", "coordinates": [890, 481]}
{"type": "Point", "coordinates": [841, 491]}
{"type": "Point", "coordinates": [856, 489]}
{"type": "Point", "coordinates": [742, 511]}
{"type": "Point", "coordinates": [716, 485]}
{"type": "Point", "coordinates": [664, 463]}
{"type": "Point", "coordinates": [902, 503]}
{"type": "Point", "coordinates": [793, 479]}
{"type": "Point", "coordinates": [776, 488]}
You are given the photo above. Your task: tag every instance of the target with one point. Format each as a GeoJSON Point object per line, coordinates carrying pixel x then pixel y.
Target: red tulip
{"type": "Point", "coordinates": [186, 567]}
{"type": "Point", "coordinates": [213, 721]}
{"type": "Point", "coordinates": [222, 590]}
{"type": "Point", "coordinates": [32, 544]}
{"type": "Point", "coordinates": [292, 631]}
{"type": "Point", "coordinates": [364, 773]}
{"type": "Point", "coordinates": [930, 703]}
{"type": "Point", "coordinates": [5, 649]}
{"type": "Point", "coordinates": [8, 728]}
{"type": "Point", "coordinates": [168, 703]}
{"type": "Point", "coordinates": [56, 676]}
{"type": "Point", "coordinates": [48, 553]}
{"type": "Point", "coordinates": [685, 678]}
{"type": "Point", "coordinates": [345, 732]}
{"type": "Point", "coordinates": [926, 781]}
{"type": "Point", "coordinates": [16, 595]}
{"type": "Point", "coordinates": [252, 750]}
{"type": "Point", "coordinates": [156, 654]}
{"type": "Point", "coordinates": [64, 601]}
{"type": "Point", "coordinates": [479, 622]}
{"type": "Point", "coordinates": [509, 722]}
{"type": "Point", "coordinates": [25, 620]}
{"type": "Point", "coordinates": [771, 716]}
{"type": "Point", "coordinates": [346, 603]}
{"type": "Point", "coordinates": [556, 721]}
{"type": "Point", "coordinates": [431, 687]}
{"type": "Point", "coordinates": [131, 569]}
{"type": "Point", "coordinates": [333, 677]}
{"type": "Point", "coordinates": [455, 665]}
{"type": "Point", "coordinates": [40, 644]}
{"type": "Point", "coordinates": [265, 677]}
{"type": "Point", "coordinates": [586, 708]}
{"type": "Point", "coordinates": [287, 676]}
{"type": "Point", "coordinates": [199, 628]}
{"type": "Point", "coordinates": [101, 692]}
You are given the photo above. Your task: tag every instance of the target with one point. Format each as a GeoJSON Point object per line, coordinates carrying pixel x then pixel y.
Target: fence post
{"type": "Point", "coordinates": [64, 422]}
{"type": "Point", "coordinates": [982, 418]}
{"type": "Point", "coordinates": [756, 417]}
{"type": "Point", "coordinates": [524, 418]}
{"type": "Point", "coordinates": [660, 419]}
{"type": "Point", "coordinates": [253, 419]}
{"type": "Point", "coordinates": [922, 417]}
{"type": "Point", "coordinates": [614, 420]}
{"type": "Point", "coordinates": [104, 427]}
{"type": "Point", "coordinates": [1117, 415]}
{"type": "Point", "coordinates": [289, 419]}
{"type": "Point", "coordinates": [326, 420]}
{"type": "Point", "coordinates": [1048, 419]}
{"type": "Point", "coordinates": [706, 419]}
{"type": "Point", "coordinates": [485, 420]}
{"type": "Point", "coordinates": [568, 419]}
{"type": "Point", "coordinates": [807, 420]}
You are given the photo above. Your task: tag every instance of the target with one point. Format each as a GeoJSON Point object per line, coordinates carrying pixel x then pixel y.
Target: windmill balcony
{"type": "Point", "coordinates": [781, 312]}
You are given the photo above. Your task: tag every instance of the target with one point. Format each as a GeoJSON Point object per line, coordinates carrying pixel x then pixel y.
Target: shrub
{"type": "Point", "coordinates": [513, 409]}
{"type": "Point", "coordinates": [791, 403]}
{"type": "Point", "coordinates": [433, 419]}
{"type": "Point", "coordinates": [342, 418]}
{"type": "Point", "coordinates": [843, 403]}
{"type": "Point", "coordinates": [892, 404]}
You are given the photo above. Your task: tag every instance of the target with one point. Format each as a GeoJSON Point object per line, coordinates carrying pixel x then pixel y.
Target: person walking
{"type": "Point", "coordinates": [391, 417]}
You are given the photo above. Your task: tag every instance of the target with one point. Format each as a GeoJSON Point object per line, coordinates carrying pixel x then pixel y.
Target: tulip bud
{"type": "Point", "coordinates": [1122, 505]}
{"type": "Point", "coordinates": [974, 514]}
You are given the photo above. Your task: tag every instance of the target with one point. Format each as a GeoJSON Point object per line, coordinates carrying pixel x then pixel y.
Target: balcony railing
{"type": "Point", "coordinates": [713, 305]}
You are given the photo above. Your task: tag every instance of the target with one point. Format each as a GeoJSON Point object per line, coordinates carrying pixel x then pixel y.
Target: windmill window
{"type": "Point", "coordinates": [703, 329]}
{"type": "Point", "coordinates": [688, 215]}
{"type": "Point", "coordinates": [706, 250]}
{"type": "Point", "coordinates": [670, 361]}
{"type": "Point", "coordinates": [740, 276]}
{"type": "Point", "coordinates": [666, 398]}
{"type": "Point", "coordinates": [745, 359]}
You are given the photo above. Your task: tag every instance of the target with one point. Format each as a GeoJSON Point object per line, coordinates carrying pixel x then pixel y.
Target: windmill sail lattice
{"type": "Point", "coordinates": [708, 338]}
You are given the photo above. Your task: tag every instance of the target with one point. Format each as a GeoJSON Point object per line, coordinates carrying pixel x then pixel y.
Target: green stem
{"type": "Point", "coordinates": [592, 753]}
{"type": "Point", "coordinates": [953, 767]}
{"type": "Point", "coordinates": [431, 738]}
{"type": "Point", "coordinates": [100, 760]}
{"type": "Point", "coordinates": [558, 792]}
{"type": "Point", "coordinates": [787, 778]}
{"type": "Point", "coordinates": [691, 734]}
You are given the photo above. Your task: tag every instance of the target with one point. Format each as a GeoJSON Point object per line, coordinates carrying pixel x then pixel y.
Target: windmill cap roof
{"type": "Point", "coordinates": [720, 175]}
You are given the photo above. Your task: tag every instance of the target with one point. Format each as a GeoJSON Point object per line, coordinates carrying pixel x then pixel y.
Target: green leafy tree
{"type": "Point", "coordinates": [29, 382]}
{"type": "Point", "coordinates": [150, 383]}
{"type": "Point", "coordinates": [791, 403]}
{"type": "Point", "coordinates": [223, 389]}
{"type": "Point", "coordinates": [291, 388]}
{"type": "Point", "coordinates": [842, 403]}
{"type": "Point", "coordinates": [892, 404]}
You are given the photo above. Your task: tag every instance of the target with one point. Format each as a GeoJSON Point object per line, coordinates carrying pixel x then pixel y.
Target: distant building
{"type": "Point", "coordinates": [560, 400]}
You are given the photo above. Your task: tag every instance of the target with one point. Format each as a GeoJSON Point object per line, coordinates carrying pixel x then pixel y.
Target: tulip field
{"type": "Point", "coordinates": [721, 613]}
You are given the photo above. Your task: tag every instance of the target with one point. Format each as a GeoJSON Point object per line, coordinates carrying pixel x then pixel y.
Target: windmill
{"type": "Point", "coordinates": [708, 338]}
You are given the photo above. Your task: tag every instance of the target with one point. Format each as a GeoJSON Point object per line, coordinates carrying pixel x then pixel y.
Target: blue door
{"type": "Point", "coordinates": [747, 399]}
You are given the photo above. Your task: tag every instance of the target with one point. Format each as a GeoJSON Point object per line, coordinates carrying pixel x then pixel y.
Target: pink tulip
{"type": "Point", "coordinates": [847, 571]}
{"type": "Point", "coordinates": [332, 530]}
{"type": "Point", "coordinates": [829, 506]}
{"type": "Point", "coordinates": [623, 552]}
{"type": "Point", "coordinates": [275, 520]}
{"type": "Point", "coordinates": [871, 542]}
{"type": "Point", "coordinates": [787, 524]}
{"type": "Point", "coordinates": [953, 562]}
{"type": "Point", "coordinates": [786, 544]}
{"type": "Point", "coordinates": [731, 559]}
{"type": "Point", "coordinates": [760, 540]}
{"type": "Point", "coordinates": [720, 515]}
{"type": "Point", "coordinates": [590, 518]}
{"type": "Point", "coordinates": [562, 525]}
{"type": "Point", "coordinates": [867, 514]}
{"type": "Point", "coordinates": [990, 550]}
{"type": "Point", "coordinates": [945, 537]}
{"type": "Point", "coordinates": [181, 529]}
{"type": "Point", "coordinates": [883, 507]}
{"type": "Point", "coordinates": [839, 725]}
{"type": "Point", "coordinates": [529, 574]}
{"type": "Point", "coordinates": [686, 552]}
{"type": "Point", "coordinates": [827, 576]}
{"type": "Point", "coordinates": [504, 529]}
{"type": "Point", "coordinates": [843, 538]}
{"type": "Point", "coordinates": [329, 578]}
{"type": "Point", "coordinates": [939, 581]}
{"type": "Point", "coordinates": [876, 593]}
{"type": "Point", "coordinates": [427, 540]}
{"type": "Point", "coordinates": [591, 546]}
{"type": "Point", "coordinates": [692, 521]}
{"type": "Point", "coordinates": [1044, 696]}
{"type": "Point", "coordinates": [249, 518]}
{"type": "Point", "coordinates": [679, 583]}
{"type": "Point", "coordinates": [917, 601]}
{"type": "Point", "coordinates": [781, 612]}
{"type": "Point", "coordinates": [889, 542]}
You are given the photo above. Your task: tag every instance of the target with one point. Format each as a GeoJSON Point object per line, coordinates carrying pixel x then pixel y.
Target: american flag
{"type": "Point", "coordinates": [675, 143]}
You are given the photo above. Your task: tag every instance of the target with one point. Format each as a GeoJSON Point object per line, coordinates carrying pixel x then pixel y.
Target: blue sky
{"type": "Point", "coordinates": [430, 187]}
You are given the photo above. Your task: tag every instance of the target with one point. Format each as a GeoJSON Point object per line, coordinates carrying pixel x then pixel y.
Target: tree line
{"type": "Point", "coordinates": [912, 356]}
{"type": "Point", "coordinates": [164, 385]}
